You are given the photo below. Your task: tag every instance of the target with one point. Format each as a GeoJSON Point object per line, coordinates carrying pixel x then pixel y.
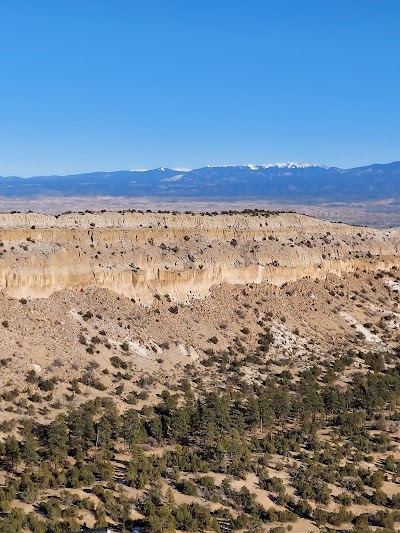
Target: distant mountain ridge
{"type": "Point", "coordinates": [281, 181]}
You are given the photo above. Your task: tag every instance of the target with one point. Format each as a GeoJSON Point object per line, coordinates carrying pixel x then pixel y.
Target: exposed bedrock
{"type": "Point", "coordinates": [138, 255]}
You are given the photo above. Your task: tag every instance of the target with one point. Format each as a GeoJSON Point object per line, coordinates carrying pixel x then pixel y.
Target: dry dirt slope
{"type": "Point", "coordinates": [139, 255]}
{"type": "Point", "coordinates": [163, 290]}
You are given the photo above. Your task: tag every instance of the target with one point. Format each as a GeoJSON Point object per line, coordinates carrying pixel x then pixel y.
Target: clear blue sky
{"type": "Point", "coordinates": [122, 84]}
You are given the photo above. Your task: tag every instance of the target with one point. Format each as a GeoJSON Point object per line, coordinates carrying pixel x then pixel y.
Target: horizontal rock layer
{"type": "Point", "coordinates": [141, 254]}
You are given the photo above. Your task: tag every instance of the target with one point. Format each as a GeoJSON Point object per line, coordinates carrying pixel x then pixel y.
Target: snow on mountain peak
{"type": "Point", "coordinates": [288, 164]}
{"type": "Point", "coordinates": [291, 164]}
{"type": "Point", "coordinates": [220, 166]}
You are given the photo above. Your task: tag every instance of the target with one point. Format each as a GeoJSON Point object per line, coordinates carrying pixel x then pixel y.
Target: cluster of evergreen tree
{"type": "Point", "coordinates": [233, 432]}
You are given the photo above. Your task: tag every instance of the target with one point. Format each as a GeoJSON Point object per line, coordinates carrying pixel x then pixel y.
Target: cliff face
{"type": "Point", "coordinates": [139, 255]}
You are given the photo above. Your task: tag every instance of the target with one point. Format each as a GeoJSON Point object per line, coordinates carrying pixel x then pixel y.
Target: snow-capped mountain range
{"type": "Point", "coordinates": [280, 181]}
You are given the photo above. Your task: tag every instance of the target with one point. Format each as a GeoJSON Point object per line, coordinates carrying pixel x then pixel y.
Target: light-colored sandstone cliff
{"type": "Point", "coordinates": [141, 254]}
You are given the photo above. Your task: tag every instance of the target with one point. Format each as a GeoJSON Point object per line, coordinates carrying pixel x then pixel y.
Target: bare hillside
{"type": "Point", "coordinates": [141, 255]}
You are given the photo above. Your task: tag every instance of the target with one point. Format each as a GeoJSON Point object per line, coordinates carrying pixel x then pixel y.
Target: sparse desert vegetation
{"type": "Point", "coordinates": [236, 404]}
